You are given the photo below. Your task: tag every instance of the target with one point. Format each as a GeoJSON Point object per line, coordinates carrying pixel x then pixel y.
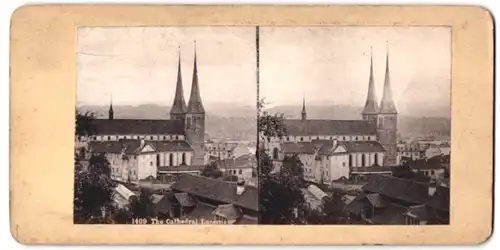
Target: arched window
{"type": "Point", "coordinates": [350, 160]}
{"type": "Point", "coordinates": [363, 160]}
{"type": "Point", "coordinates": [376, 159]}
{"type": "Point", "coordinates": [188, 122]}
{"type": "Point", "coordinates": [301, 138]}
{"type": "Point", "coordinates": [177, 137]}
{"type": "Point", "coordinates": [356, 138]}
{"type": "Point", "coordinates": [275, 153]}
{"type": "Point", "coordinates": [183, 158]}
{"type": "Point", "coordinates": [158, 160]}
{"type": "Point", "coordinates": [171, 159]}
{"type": "Point", "coordinates": [287, 138]}
{"type": "Point", "coordinates": [317, 138]}
{"type": "Point", "coordinates": [343, 138]}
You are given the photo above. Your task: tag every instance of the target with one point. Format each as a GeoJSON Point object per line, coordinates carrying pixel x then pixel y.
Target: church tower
{"type": "Point", "coordinates": [304, 114]}
{"type": "Point", "coordinates": [111, 112]}
{"type": "Point", "coordinates": [371, 109]}
{"type": "Point", "coordinates": [388, 121]}
{"type": "Point", "coordinates": [179, 109]}
{"type": "Point", "coordinates": [195, 119]}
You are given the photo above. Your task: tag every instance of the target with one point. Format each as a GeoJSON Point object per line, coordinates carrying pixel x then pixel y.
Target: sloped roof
{"type": "Point", "coordinates": [124, 192]}
{"type": "Point", "coordinates": [228, 211]}
{"type": "Point", "coordinates": [162, 146]}
{"type": "Point", "coordinates": [181, 168]}
{"type": "Point", "coordinates": [138, 127]}
{"type": "Point", "coordinates": [318, 193]}
{"type": "Point", "coordinates": [408, 191]}
{"type": "Point", "coordinates": [309, 127]}
{"type": "Point", "coordinates": [217, 190]}
{"type": "Point", "coordinates": [300, 148]}
{"type": "Point", "coordinates": [155, 198]}
{"type": "Point", "coordinates": [362, 146]}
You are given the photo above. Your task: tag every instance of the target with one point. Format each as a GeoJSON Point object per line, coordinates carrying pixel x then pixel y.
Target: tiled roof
{"type": "Point", "coordinates": [329, 127]}
{"type": "Point", "coordinates": [362, 146]}
{"type": "Point", "coordinates": [217, 190]}
{"type": "Point", "coordinates": [201, 211]}
{"type": "Point", "coordinates": [140, 127]}
{"type": "Point", "coordinates": [228, 211]}
{"type": "Point", "coordinates": [408, 191]}
{"type": "Point", "coordinates": [423, 164]}
{"type": "Point", "coordinates": [162, 146]}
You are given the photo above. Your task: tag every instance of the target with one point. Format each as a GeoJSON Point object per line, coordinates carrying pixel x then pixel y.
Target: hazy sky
{"type": "Point", "coordinates": [139, 65]}
{"type": "Point", "coordinates": [331, 65]}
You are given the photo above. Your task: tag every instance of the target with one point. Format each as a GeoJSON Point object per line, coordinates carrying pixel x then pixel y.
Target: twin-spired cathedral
{"type": "Point", "coordinates": [332, 149]}
{"type": "Point", "coordinates": [139, 148]}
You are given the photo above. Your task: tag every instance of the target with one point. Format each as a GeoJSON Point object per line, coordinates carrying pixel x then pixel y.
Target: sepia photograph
{"type": "Point", "coordinates": [166, 126]}
{"type": "Point", "coordinates": [354, 125]}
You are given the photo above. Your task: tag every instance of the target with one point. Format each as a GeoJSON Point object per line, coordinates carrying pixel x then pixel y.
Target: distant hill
{"type": "Point", "coordinates": [239, 121]}
{"type": "Point", "coordinates": [222, 121]}
{"type": "Point", "coordinates": [408, 125]}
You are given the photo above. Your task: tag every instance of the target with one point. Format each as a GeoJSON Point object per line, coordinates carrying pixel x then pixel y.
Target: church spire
{"type": "Point", "coordinates": [387, 105]}
{"type": "Point", "coordinates": [111, 112]}
{"type": "Point", "coordinates": [371, 105]}
{"type": "Point", "coordinates": [179, 105]}
{"type": "Point", "coordinates": [195, 105]}
{"type": "Point", "coordinates": [304, 114]}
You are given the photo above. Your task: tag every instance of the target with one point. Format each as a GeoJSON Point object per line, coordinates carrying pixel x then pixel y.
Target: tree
{"type": "Point", "coordinates": [84, 124]}
{"type": "Point", "coordinates": [143, 206]}
{"type": "Point", "coordinates": [281, 200]}
{"type": "Point", "coordinates": [211, 171]}
{"type": "Point", "coordinates": [93, 192]}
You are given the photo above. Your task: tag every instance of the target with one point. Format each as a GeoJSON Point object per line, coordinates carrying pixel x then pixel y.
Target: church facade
{"type": "Point", "coordinates": [153, 147]}
{"type": "Point", "coordinates": [334, 149]}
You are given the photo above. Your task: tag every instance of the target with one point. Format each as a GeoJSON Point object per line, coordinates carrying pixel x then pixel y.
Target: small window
{"type": "Point", "coordinates": [288, 138]}
{"type": "Point", "coordinates": [240, 172]}
{"type": "Point", "coordinates": [317, 138]}
{"type": "Point", "coordinates": [109, 138]}
{"type": "Point", "coordinates": [356, 138]}
{"type": "Point", "coordinates": [301, 138]}
{"type": "Point", "coordinates": [343, 138]}
{"type": "Point", "coordinates": [331, 137]}
{"type": "Point", "coordinates": [177, 137]}
{"type": "Point", "coordinates": [151, 163]}
{"type": "Point", "coordinates": [164, 137]}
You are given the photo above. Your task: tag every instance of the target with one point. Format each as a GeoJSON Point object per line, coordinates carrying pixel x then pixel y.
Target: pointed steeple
{"type": "Point", "coordinates": [371, 104]}
{"type": "Point", "coordinates": [387, 105]}
{"type": "Point", "coordinates": [179, 105]}
{"type": "Point", "coordinates": [111, 112]}
{"type": "Point", "coordinates": [195, 105]}
{"type": "Point", "coordinates": [304, 113]}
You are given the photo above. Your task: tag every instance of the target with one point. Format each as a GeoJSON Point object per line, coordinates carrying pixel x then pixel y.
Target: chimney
{"type": "Point", "coordinates": [432, 187]}
{"type": "Point", "coordinates": [240, 187]}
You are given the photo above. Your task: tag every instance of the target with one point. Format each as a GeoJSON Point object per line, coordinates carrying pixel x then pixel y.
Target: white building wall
{"type": "Point", "coordinates": [339, 166]}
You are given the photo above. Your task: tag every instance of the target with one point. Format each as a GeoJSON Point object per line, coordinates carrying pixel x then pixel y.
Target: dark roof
{"type": "Point", "coordinates": [376, 200]}
{"type": "Point", "coordinates": [329, 127]}
{"type": "Point", "coordinates": [185, 199]}
{"type": "Point", "coordinates": [201, 211]}
{"type": "Point", "coordinates": [392, 215]}
{"type": "Point", "coordinates": [170, 145]}
{"type": "Point", "coordinates": [181, 168]}
{"type": "Point", "coordinates": [217, 190]}
{"type": "Point", "coordinates": [408, 191]}
{"type": "Point", "coordinates": [228, 211]}
{"type": "Point", "coordinates": [355, 207]}
{"type": "Point", "coordinates": [362, 146]}
{"type": "Point", "coordinates": [299, 148]}
{"type": "Point", "coordinates": [138, 127]}
{"type": "Point", "coordinates": [372, 169]}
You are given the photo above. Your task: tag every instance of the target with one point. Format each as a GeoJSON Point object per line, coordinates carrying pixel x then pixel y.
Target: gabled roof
{"type": "Point", "coordinates": [244, 161]}
{"type": "Point", "coordinates": [217, 190]}
{"type": "Point", "coordinates": [376, 200]}
{"type": "Point", "coordinates": [408, 191]}
{"type": "Point", "coordinates": [132, 146]}
{"type": "Point", "coordinates": [309, 127]}
{"type": "Point", "coordinates": [138, 127]}
{"type": "Point", "coordinates": [419, 212]}
{"type": "Point", "coordinates": [394, 214]}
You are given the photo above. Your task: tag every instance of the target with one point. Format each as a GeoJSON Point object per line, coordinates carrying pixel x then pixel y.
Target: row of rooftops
{"type": "Point", "coordinates": [134, 146]}
{"type": "Point", "coordinates": [318, 127]}
{"type": "Point", "coordinates": [327, 147]}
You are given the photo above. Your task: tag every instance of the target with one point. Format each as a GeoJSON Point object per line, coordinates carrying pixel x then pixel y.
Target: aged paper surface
{"type": "Point", "coordinates": [43, 73]}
